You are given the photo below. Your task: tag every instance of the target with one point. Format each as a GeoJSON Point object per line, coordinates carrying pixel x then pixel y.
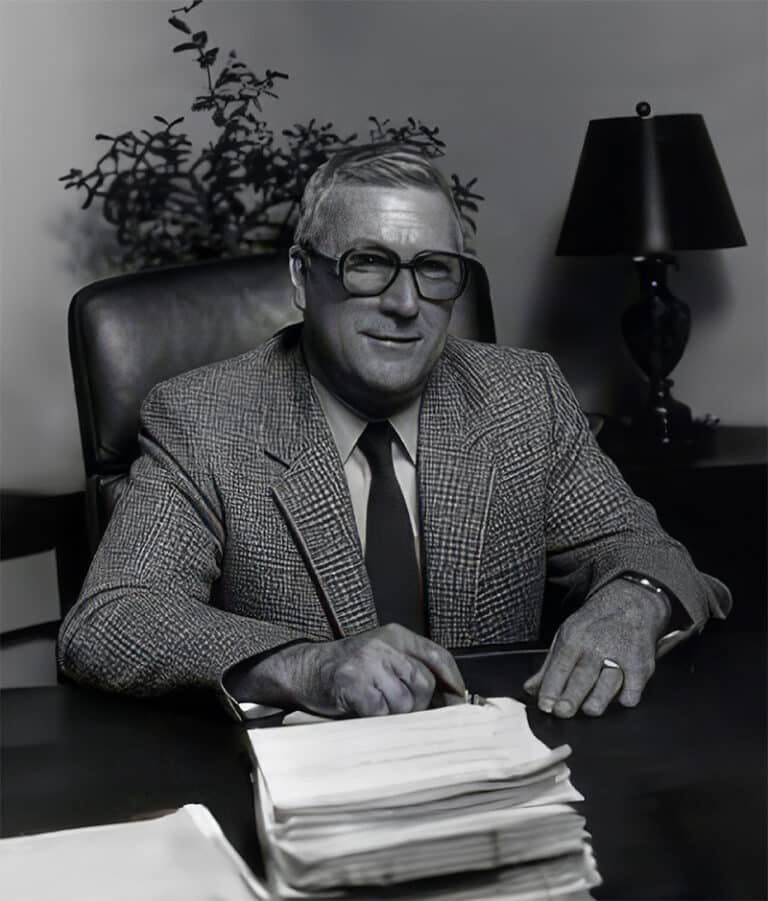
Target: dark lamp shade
{"type": "Point", "coordinates": [648, 185]}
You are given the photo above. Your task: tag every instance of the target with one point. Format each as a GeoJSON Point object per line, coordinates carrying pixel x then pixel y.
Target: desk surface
{"type": "Point", "coordinates": [725, 446]}
{"type": "Point", "coordinates": [675, 788]}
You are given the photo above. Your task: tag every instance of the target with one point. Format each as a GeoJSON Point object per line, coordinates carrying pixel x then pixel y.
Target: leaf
{"type": "Point", "coordinates": [208, 59]}
{"type": "Point", "coordinates": [161, 119]}
{"type": "Point", "coordinates": [200, 37]}
{"type": "Point", "coordinates": [103, 137]}
{"type": "Point", "coordinates": [179, 48]}
{"type": "Point", "coordinates": [180, 24]}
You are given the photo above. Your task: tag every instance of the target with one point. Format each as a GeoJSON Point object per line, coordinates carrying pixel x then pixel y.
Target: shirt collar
{"type": "Point", "coordinates": [347, 427]}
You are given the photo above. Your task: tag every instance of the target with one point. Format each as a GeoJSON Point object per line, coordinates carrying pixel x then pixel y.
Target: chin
{"type": "Point", "coordinates": [382, 397]}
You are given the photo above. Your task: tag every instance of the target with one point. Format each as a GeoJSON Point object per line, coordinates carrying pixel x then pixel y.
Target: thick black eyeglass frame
{"type": "Point", "coordinates": [399, 264]}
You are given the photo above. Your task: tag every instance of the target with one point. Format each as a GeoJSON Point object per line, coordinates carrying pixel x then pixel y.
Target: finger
{"type": "Point", "coordinates": [415, 676]}
{"type": "Point", "coordinates": [559, 668]}
{"type": "Point", "coordinates": [366, 700]}
{"type": "Point", "coordinates": [635, 680]}
{"type": "Point", "coordinates": [395, 691]}
{"type": "Point", "coordinates": [580, 683]}
{"type": "Point", "coordinates": [443, 666]}
{"type": "Point", "coordinates": [606, 688]}
{"type": "Point", "coordinates": [532, 683]}
{"type": "Point", "coordinates": [446, 699]}
{"type": "Point", "coordinates": [433, 656]}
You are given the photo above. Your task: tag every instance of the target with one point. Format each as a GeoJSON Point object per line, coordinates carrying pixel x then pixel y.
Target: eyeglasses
{"type": "Point", "coordinates": [369, 271]}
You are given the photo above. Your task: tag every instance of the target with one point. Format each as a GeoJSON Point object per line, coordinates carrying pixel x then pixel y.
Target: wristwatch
{"type": "Point", "coordinates": [647, 583]}
{"type": "Point", "coordinates": [678, 619]}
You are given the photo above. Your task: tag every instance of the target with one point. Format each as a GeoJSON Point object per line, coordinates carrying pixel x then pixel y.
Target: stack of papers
{"type": "Point", "coordinates": [183, 856]}
{"type": "Point", "coordinates": [458, 802]}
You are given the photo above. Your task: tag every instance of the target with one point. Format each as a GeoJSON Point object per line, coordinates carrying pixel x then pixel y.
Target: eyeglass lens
{"type": "Point", "coordinates": [438, 276]}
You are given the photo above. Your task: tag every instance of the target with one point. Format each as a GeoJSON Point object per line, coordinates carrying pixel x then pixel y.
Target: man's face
{"type": "Point", "coordinates": [376, 353]}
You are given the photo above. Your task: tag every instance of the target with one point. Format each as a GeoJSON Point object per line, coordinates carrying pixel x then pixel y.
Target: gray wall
{"type": "Point", "coordinates": [512, 85]}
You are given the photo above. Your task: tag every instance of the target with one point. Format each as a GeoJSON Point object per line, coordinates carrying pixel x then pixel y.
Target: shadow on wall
{"type": "Point", "coordinates": [577, 304]}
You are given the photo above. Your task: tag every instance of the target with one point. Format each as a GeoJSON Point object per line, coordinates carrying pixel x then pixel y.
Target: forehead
{"type": "Point", "coordinates": [407, 219]}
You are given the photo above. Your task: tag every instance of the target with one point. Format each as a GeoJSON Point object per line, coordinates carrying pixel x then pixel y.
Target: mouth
{"type": "Point", "coordinates": [392, 340]}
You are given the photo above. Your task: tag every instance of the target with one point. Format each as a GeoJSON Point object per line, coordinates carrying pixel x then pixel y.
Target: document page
{"type": "Point", "coordinates": [345, 762]}
{"type": "Point", "coordinates": [405, 802]}
{"type": "Point", "coordinates": [183, 856]}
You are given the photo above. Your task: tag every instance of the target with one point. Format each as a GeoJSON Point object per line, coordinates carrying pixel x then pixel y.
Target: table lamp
{"type": "Point", "coordinates": [646, 187]}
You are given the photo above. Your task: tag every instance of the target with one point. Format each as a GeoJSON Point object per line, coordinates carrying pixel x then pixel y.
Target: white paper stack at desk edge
{"type": "Point", "coordinates": [181, 856]}
{"type": "Point", "coordinates": [384, 800]}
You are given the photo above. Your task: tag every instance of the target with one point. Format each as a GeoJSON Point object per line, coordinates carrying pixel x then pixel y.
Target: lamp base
{"type": "Point", "coordinates": [656, 331]}
{"type": "Point", "coordinates": [636, 440]}
{"type": "Point", "coordinates": [664, 421]}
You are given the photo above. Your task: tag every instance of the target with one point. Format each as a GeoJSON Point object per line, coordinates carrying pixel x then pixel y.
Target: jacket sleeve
{"type": "Point", "coordinates": [597, 528]}
{"type": "Point", "coordinates": [144, 623]}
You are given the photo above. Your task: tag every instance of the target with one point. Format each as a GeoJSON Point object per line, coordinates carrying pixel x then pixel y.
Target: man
{"type": "Point", "coordinates": [312, 524]}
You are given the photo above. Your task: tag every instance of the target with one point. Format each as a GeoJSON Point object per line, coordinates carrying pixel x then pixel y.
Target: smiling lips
{"type": "Point", "coordinates": [393, 339]}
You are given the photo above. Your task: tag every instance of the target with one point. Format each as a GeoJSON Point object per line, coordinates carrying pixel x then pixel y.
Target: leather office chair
{"type": "Point", "coordinates": [130, 332]}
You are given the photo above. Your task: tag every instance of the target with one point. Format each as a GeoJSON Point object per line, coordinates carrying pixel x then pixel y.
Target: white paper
{"type": "Point", "coordinates": [448, 793]}
{"type": "Point", "coordinates": [183, 856]}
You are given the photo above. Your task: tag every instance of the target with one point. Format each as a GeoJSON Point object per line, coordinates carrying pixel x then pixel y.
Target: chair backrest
{"type": "Point", "coordinates": [128, 333]}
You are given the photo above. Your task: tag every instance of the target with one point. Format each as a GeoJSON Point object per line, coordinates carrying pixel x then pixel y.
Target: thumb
{"type": "Point", "coordinates": [446, 699]}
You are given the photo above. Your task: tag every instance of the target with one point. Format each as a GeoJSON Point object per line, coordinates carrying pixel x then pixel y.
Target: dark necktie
{"type": "Point", "coordinates": [390, 555]}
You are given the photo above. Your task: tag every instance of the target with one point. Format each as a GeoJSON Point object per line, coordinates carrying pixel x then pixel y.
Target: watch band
{"type": "Point", "coordinates": [646, 583]}
{"type": "Point", "coordinates": [674, 635]}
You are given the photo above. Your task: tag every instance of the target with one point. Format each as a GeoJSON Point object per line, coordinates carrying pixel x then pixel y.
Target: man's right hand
{"type": "Point", "coordinates": [385, 670]}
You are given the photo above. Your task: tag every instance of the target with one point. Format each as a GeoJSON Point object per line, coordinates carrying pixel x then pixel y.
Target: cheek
{"type": "Point", "coordinates": [326, 313]}
{"type": "Point", "coordinates": [334, 335]}
{"type": "Point", "coordinates": [436, 322]}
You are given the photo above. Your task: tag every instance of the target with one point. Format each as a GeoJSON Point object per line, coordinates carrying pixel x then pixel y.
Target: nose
{"type": "Point", "coordinates": [401, 298]}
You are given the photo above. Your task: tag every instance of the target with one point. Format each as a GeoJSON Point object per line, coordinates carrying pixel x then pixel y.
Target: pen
{"type": "Point", "coordinates": [473, 698]}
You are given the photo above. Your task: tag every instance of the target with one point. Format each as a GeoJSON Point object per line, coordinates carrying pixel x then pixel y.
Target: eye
{"type": "Point", "coordinates": [365, 260]}
{"type": "Point", "coordinates": [438, 268]}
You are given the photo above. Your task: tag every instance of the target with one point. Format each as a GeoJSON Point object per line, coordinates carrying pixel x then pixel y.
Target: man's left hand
{"type": "Point", "coordinates": [620, 623]}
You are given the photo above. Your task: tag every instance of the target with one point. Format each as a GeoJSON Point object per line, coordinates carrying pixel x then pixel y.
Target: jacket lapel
{"type": "Point", "coordinates": [456, 478]}
{"type": "Point", "coordinates": [312, 494]}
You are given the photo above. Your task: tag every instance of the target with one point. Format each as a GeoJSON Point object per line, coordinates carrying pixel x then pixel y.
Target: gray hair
{"type": "Point", "coordinates": [375, 165]}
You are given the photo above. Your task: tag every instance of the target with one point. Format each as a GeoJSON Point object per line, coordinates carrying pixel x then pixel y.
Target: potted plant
{"type": "Point", "coordinates": [168, 203]}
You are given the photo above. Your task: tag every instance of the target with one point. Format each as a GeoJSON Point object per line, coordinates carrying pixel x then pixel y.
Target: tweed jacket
{"type": "Point", "coordinates": [236, 533]}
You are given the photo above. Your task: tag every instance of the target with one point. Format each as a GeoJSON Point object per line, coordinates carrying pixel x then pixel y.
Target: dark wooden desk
{"type": "Point", "coordinates": [675, 788]}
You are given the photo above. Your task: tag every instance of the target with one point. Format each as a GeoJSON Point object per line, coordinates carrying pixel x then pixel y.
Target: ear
{"type": "Point", "coordinates": [297, 262]}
